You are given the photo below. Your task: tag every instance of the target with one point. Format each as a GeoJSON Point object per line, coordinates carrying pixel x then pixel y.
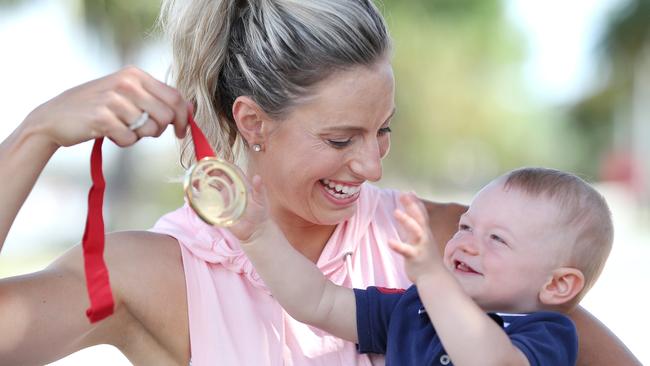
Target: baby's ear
{"type": "Point", "coordinates": [563, 286]}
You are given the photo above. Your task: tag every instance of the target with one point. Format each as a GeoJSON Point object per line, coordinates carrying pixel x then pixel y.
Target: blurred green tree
{"type": "Point", "coordinates": [463, 116]}
{"type": "Point", "coordinates": [614, 117]}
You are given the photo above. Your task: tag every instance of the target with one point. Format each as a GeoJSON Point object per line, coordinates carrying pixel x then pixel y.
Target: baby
{"type": "Point", "coordinates": [528, 248]}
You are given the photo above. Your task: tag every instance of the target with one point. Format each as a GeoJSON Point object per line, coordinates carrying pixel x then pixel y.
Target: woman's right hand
{"type": "Point", "coordinates": [106, 107]}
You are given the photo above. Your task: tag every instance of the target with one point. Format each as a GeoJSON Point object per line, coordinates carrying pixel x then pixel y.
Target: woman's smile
{"type": "Point", "coordinates": [340, 193]}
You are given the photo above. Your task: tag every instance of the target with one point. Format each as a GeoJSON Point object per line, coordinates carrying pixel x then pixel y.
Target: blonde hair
{"type": "Point", "coordinates": [273, 51]}
{"type": "Point", "coordinates": [582, 210]}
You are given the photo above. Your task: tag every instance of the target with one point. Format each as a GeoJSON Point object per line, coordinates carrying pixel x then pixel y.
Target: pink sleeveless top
{"type": "Point", "coordinates": [233, 319]}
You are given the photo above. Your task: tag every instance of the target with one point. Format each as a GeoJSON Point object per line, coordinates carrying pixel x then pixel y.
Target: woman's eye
{"type": "Point", "coordinates": [339, 143]}
{"type": "Point", "coordinates": [498, 239]}
{"type": "Point", "coordinates": [384, 131]}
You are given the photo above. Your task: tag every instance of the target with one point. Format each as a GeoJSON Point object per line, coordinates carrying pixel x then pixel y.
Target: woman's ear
{"type": "Point", "coordinates": [563, 286]}
{"type": "Point", "coordinates": [249, 118]}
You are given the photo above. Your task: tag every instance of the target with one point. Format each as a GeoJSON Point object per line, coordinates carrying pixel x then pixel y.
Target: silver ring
{"type": "Point", "coordinates": [139, 122]}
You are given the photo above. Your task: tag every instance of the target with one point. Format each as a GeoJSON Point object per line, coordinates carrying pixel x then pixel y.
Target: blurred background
{"type": "Point", "coordinates": [483, 86]}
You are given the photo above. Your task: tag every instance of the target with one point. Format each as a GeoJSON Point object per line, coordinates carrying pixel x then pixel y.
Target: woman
{"type": "Point", "coordinates": [301, 90]}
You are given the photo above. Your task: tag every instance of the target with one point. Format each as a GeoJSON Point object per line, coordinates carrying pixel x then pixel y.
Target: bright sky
{"type": "Point", "coordinates": [561, 36]}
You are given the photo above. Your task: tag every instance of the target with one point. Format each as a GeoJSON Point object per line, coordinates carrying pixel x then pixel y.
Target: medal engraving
{"type": "Point", "coordinates": [216, 191]}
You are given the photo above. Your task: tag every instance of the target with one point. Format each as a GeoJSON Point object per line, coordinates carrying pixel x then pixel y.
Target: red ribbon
{"type": "Point", "coordinates": [97, 279]}
{"type": "Point", "coordinates": [97, 283]}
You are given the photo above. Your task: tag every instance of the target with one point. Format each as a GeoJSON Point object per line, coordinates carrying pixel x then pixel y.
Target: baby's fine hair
{"type": "Point", "coordinates": [582, 211]}
{"type": "Point", "coordinates": [273, 51]}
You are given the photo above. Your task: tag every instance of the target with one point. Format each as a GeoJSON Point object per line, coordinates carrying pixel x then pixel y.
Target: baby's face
{"type": "Point", "coordinates": [505, 248]}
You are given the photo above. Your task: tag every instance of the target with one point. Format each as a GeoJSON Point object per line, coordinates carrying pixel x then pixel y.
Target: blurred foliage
{"type": "Point", "coordinates": [463, 113]}
{"type": "Point", "coordinates": [601, 114]}
{"type": "Point", "coordinates": [463, 116]}
{"type": "Point", "coordinates": [124, 22]}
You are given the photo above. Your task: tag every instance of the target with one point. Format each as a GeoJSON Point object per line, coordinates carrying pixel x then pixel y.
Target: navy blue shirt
{"type": "Point", "coordinates": [394, 322]}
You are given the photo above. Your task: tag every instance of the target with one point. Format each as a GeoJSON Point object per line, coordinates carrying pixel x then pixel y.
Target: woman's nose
{"type": "Point", "coordinates": [367, 161]}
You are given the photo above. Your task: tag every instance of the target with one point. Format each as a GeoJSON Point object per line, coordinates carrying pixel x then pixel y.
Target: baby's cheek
{"type": "Point", "coordinates": [446, 256]}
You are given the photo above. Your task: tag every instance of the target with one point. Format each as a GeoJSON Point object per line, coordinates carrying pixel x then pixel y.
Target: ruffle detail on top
{"type": "Point", "coordinates": [209, 243]}
{"type": "Point", "coordinates": [219, 246]}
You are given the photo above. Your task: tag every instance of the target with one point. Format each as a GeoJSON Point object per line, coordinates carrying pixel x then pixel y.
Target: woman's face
{"type": "Point", "coordinates": [315, 160]}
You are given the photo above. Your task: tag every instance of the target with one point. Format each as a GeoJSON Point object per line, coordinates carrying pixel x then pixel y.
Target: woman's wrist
{"type": "Point", "coordinates": [33, 133]}
{"type": "Point", "coordinates": [28, 142]}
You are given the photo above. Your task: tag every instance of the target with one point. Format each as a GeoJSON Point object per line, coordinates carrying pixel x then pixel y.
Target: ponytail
{"type": "Point", "coordinates": [273, 51]}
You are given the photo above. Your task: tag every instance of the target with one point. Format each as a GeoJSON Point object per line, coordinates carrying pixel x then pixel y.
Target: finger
{"type": "Point", "coordinates": [161, 114]}
{"type": "Point", "coordinates": [406, 250]}
{"type": "Point", "coordinates": [172, 98]}
{"type": "Point", "coordinates": [415, 208]}
{"type": "Point", "coordinates": [413, 230]}
{"type": "Point", "coordinates": [131, 116]}
{"type": "Point", "coordinates": [130, 86]}
{"type": "Point", "coordinates": [115, 130]}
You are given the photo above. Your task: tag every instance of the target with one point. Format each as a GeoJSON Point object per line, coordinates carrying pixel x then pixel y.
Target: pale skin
{"type": "Point", "coordinates": [311, 298]}
{"type": "Point", "coordinates": [42, 314]}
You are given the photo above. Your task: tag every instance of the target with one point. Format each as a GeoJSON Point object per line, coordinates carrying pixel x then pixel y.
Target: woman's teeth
{"type": "Point", "coordinates": [339, 190]}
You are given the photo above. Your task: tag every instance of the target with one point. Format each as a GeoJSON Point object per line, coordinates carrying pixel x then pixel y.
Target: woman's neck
{"type": "Point", "coordinates": [309, 239]}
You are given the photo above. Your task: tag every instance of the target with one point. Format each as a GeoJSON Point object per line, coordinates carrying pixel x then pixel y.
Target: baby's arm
{"type": "Point", "coordinates": [295, 282]}
{"type": "Point", "coordinates": [469, 336]}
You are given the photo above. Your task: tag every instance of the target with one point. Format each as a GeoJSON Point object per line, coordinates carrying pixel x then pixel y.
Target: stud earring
{"type": "Point", "coordinates": [257, 147]}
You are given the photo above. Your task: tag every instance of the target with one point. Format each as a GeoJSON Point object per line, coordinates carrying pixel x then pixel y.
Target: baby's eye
{"type": "Point", "coordinates": [498, 239]}
{"type": "Point", "coordinates": [464, 227]}
{"type": "Point", "coordinates": [339, 144]}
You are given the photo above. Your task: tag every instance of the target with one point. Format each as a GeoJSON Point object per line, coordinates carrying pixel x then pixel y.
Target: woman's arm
{"type": "Point", "coordinates": [443, 220]}
{"type": "Point", "coordinates": [99, 108]}
{"type": "Point", "coordinates": [42, 314]}
{"type": "Point", "coordinates": [598, 346]}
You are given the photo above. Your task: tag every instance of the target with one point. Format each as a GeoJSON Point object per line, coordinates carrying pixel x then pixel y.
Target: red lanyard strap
{"type": "Point", "coordinates": [201, 145]}
{"type": "Point", "coordinates": [97, 279]}
{"type": "Point", "coordinates": [97, 282]}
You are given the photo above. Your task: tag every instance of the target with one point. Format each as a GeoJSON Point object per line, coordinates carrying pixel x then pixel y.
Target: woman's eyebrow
{"type": "Point", "coordinates": [352, 128]}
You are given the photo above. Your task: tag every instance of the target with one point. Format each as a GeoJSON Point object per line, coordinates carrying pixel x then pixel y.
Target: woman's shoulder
{"type": "Point", "coordinates": [148, 285]}
{"type": "Point", "coordinates": [141, 247]}
{"type": "Point", "coordinates": [443, 219]}
{"type": "Point", "coordinates": [128, 251]}
{"type": "Point", "coordinates": [143, 262]}
{"type": "Point", "coordinates": [443, 209]}
{"type": "Point", "coordinates": [381, 203]}
{"type": "Point", "coordinates": [140, 263]}
{"type": "Point", "coordinates": [146, 269]}
{"type": "Point", "coordinates": [439, 212]}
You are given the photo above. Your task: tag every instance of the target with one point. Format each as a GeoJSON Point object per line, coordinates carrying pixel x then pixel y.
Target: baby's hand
{"type": "Point", "coordinates": [420, 250]}
{"type": "Point", "coordinates": [256, 217]}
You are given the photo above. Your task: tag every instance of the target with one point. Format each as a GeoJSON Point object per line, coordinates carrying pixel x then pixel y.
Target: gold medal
{"type": "Point", "coordinates": [216, 191]}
